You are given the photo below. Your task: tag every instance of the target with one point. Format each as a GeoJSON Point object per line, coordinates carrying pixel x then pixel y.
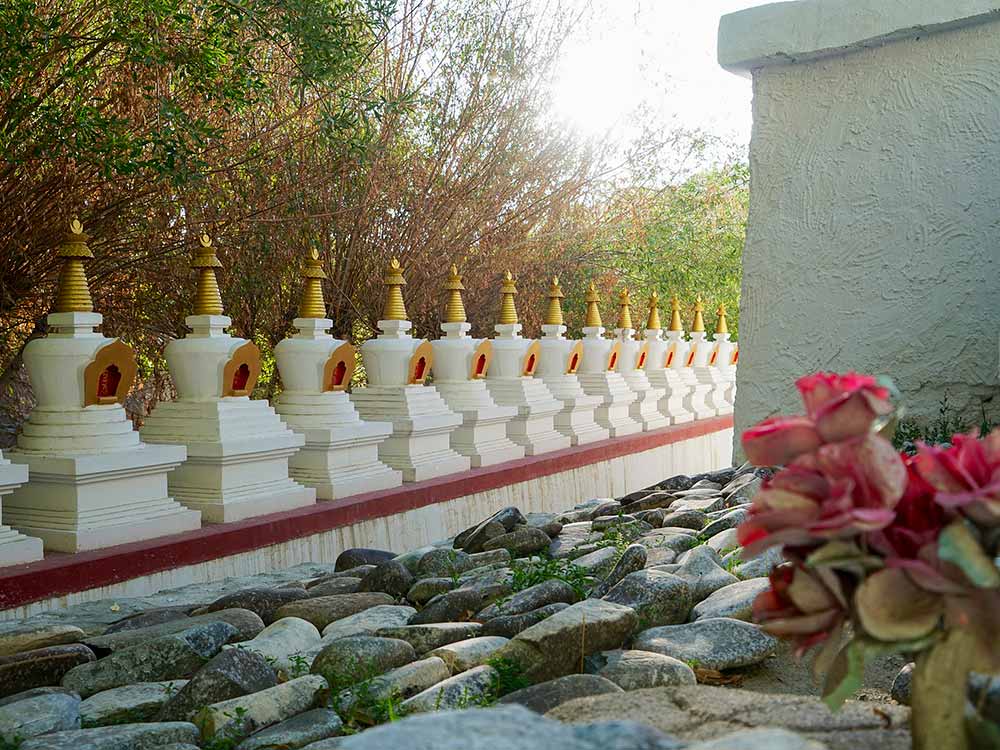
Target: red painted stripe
{"type": "Point", "coordinates": [60, 574]}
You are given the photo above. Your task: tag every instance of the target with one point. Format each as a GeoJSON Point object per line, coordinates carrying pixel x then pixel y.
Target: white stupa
{"type": "Point", "coordinates": [15, 547]}
{"type": "Point", "coordinates": [698, 361]}
{"type": "Point", "coordinates": [721, 370]}
{"type": "Point", "coordinates": [397, 366]}
{"type": "Point", "coordinates": [93, 483]}
{"type": "Point", "coordinates": [631, 365]}
{"type": "Point", "coordinates": [461, 364]}
{"type": "Point", "coordinates": [659, 353]}
{"type": "Point", "coordinates": [238, 449]}
{"type": "Point", "coordinates": [682, 358]}
{"type": "Point", "coordinates": [340, 456]}
{"type": "Point", "coordinates": [598, 376]}
{"type": "Point", "coordinates": [558, 361]}
{"type": "Point", "coordinates": [511, 382]}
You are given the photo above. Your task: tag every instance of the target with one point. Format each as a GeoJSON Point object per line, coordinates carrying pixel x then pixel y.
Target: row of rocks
{"type": "Point", "coordinates": [531, 610]}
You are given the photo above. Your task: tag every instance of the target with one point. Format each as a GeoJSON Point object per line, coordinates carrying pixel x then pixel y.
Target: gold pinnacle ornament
{"type": "Point", "coordinates": [593, 319]}
{"type": "Point", "coordinates": [624, 309]}
{"type": "Point", "coordinates": [313, 305]}
{"type": "Point", "coordinates": [394, 307]}
{"type": "Point", "coordinates": [698, 326]}
{"type": "Point", "coordinates": [454, 312]}
{"type": "Point", "coordinates": [554, 315]}
{"type": "Point", "coordinates": [73, 294]}
{"type": "Point", "coordinates": [675, 314]}
{"type": "Point", "coordinates": [653, 321]}
{"type": "Point", "coordinates": [720, 320]}
{"type": "Point", "coordinates": [207, 300]}
{"type": "Point", "coordinates": [508, 312]}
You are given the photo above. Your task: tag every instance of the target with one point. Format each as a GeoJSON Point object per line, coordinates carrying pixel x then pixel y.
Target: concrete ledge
{"type": "Point", "coordinates": [402, 518]}
{"type": "Point", "coordinates": [784, 33]}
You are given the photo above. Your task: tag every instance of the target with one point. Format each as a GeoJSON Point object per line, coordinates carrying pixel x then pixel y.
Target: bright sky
{"type": "Point", "coordinates": [658, 53]}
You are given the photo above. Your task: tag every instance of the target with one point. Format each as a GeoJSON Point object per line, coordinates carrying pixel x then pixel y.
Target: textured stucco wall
{"type": "Point", "coordinates": [873, 240]}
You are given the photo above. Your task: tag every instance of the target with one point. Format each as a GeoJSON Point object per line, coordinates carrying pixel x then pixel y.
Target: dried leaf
{"type": "Point", "coordinates": [707, 676]}
{"type": "Point", "coordinates": [892, 608]}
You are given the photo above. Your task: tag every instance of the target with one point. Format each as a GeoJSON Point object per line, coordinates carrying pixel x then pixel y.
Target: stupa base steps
{"type": "Point", "coordinates": [645, 410]}
{"type": "Point", "coordinates": [616, 420]}
{"type": "Point", "coordinates": [578, 424]}
{"type": "Point", "coordinates": [340, 463]}
{"type": "Point", "coordinates": [422, 458]}
{"type": "Point", "coordinates": [672, 406]}
{"type": "Point", "coordinates": [533, 428]}
{"type": "Point", "coordinates": [695, 402]}
{"type": "Point", "coordinates": [485, 442]}
{"type": "Point", "coordinates": [16, 548]}
{"type": "Point", "coordinates": [83, 502]}
{"type": "Point", "coordinates": [244, 500]}
{"type": "Point", "coordinates": [537, 435]}
{"type": "Point", "coordinates": [613, 413]}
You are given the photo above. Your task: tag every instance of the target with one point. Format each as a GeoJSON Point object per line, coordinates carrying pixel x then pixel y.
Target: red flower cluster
{"type": "Point", "coordinates": [965, 476]}
{"type": "Point", "coordinates": [800, 607]}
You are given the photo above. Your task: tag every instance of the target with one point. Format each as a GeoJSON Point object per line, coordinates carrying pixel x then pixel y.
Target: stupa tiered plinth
{"type": "Point", "coordinates": [238, 449]}
{"type": "Point", "coordinates": [340, 456]}
{"type": "Point", "coordinates": [659, 354]}
{"type": "Point", "coordinates": [15, 548]}
{"type": "Point", "coordinates": [682, 358]}
{"type": "Point", "coordinates": [461, 364]}
{"type": "Point", "coordinates": [93, 483]}
{"type": "Point", "coordinates": [722, 365]}
{"type": "Point", "coordinates": [397, 366]}
{"type": "Point", "coordinates": [511, 382]}
{"type": "Point", "coordinates": [598, 376]}
{"type": "Point", "coordinates": [558, 360]}
{"type": "Point", "coordinates": [631, 365]}
{"type": "Point", "coordinates": [698, 362]}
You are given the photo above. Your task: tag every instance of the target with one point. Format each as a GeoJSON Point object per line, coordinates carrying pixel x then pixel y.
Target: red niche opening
{"type": "Point", "coordinates": [418, 370]}
{"type": "Point", "coordinates": [240, 378]}
{"type": "Point", "coordinates": [107, 383]}
{"type": "Point", "coordinates": [480, 365]}
{"type": "Point", "coordinates": [529, 368]}
{"type": "Point", "coordinates": [574, 362]}
{"type": "Point", "coordinates": [690, 359]}
{"type": "Point", "coordinates": [736, 356]}
{"type": "Point", "coordinates": [613, 361]}
{"type": "Point", "coordinates": [642, 360]}
{"type": "Point", "coordinates": [337, 379]}
{"type": "Point", "coordinates": [670, 359]}
{"type": "Point", "coordinates": [711, 360]}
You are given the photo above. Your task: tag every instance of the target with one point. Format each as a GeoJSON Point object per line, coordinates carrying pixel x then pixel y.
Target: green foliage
{"type": "Point", "coordinates": [936, 431]}
{"type": "Point", "coordinates": [510, 676]}
{"type": "Point", "coordinates": [11, 744]}
{"type": "Point", "coordinates": [299, 666]}
{"type": "Point", "coordinates": [528, 573]}
{"type": "Point", "coordinates": [232, 734]}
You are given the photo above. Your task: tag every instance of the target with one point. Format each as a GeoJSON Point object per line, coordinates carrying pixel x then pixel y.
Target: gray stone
{"type": "Point", "coordinates": [705, 503]}
{"type": "Point", "coordinates": [403, 682]}
{"type": "Point", "coordinates": [128, 704]}
{"type": "Point", "coordinates": [472, 652]}
{"type": "Point", "coordinates": [735, 600]}
{"type": "Point", "coordinates": [508, 626]}
{"type": "Point", "coordinates": [331, 743]}
{"type": "Point", "coordinates": [659, 556]}
{"type": "Point", "coordinates": [34, 693]}
{"type": "Point", "coordinates": [504, 520]}
{"type": "Point", "coordinates": [635, 670]}
{"type": "Point", "coordinates": [389, 577]}
{"type": "Point", "coordinates": [755, 567]}
{"type": "Point", "coordinates": [656, 500]}
{"type": "Point", "coordinates": [557, 645]}
{"type": "Point", "coordinates": [121, 737]}
{"type": "Point", "coordinates": [902, 685]}
{"type": "Point", "coordinates": [504, 727]}
{"type": "Point", "coordinates": [676, 483]}
{"type": "Point", "coordinates": [759, 739]}
{"type": "Point", "coordinates": [177, 746]}
{"type": "Point", "coordinates": [264, 602]}
{"type": "Point", "coordinates": [338, 585]}
{"type": "Point", "coordinates": [724, 542]}
{"type": "Point", "coordinates": [598, 563]}
{"type": "Point", "coordinates": [30, 637]}
{"type": "Point", "coordinates": [603, 507]}
{"type": "Point", "coordinates": [706, 484]}
{"type": "Point", "coordinates": [412, 559]}
{"type": "Point", "coordinates": [167, 658]}
{"type": "Point", "coordinates": [547, 695]}
{"type": "Point", "coordinates": [602, 523]}
{"type": "Point", "coordinates": [40, 667]}
{"type": "Point", "coordinates": [298, 731]}
{"type": "Point", "coordinates": [685, 519]}
{"type": "Point", "coordinates": [493, 557]}
{"type": "Point", "coordinates": [368, 621]}
{"type": "Point", "coordinates": [673, 538]}
{"type": "Point", "coordinates": [347, 661]}
{"type": "Point", "coordinates": [247, 624]}
{"type": "Point", "coordinates": [729, 520]}
{"type": "Point", "coordinates": [541, 594]}
{"type": "Point", "coordinates": [457, 605]}
{"type": "Point", "coordinates": [426, 589]}
{"type": "Point", "coordinates": [147, 618]}
{"type": "Point", "coordinates": [546, 522]}
{"type": "Point", "coordinates": [477, 685]}
{"type": "Point", "coordinates": [658, 598]}
{"type": "Point", "coordinates": [701, 569]}
{"type": "Point", "coordinates": [718, 643]}
{"type": "Point", "coordinates": [444, 563]}
{"type": "Point", "coordinates": [238, 718]}
{"type": "Point", "coordinates": [323, 610]}
{"type": "Point", "coordinates": [284, 643]}
{"type": "Point", "coordinates": [40, 714]}
{"type": "Point", "coordinates": [746, 493]}
{"type": "Point", "coordinates": [522, 541]}
{"type": "Point", "coordinates": [231, 674]}
{"type": "Point", "coordinates": [426, 638]}
{"type": "Point", "coordinates": [352, 558]}
{"type": "Point", "coordinates": [359, 572]}
{"type": "Point", "coordinates": [633, 559]}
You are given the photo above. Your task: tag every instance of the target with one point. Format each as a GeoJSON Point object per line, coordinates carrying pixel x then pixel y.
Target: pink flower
{"type": "Point", "coordinates": [777, 441]}
{"type": "Point", "coordinates": [841, 491]}
{"type": "Point", "coordinates": [843, 406]}
{"type": "Point", "coordinates": [800, 606]}
{"type": "Point", "coordinates": [966, 476]}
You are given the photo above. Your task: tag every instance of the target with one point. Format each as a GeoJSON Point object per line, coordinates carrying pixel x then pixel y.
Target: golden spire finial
{"type": "Point", "coordinates": [554, 315]}
{"type": "Point", "coordinates": [698, 326]}
{"type": "Point", "coordinates": [593, 313]}
{"type": "Point", "coordinates": [675, 315]}
{"type": "Point", "coordinates": [454, 312]}
{"type": "Point", "coordinates": [653, 321]}
{"type": "Point", "coordinates": [508, 312]}
{"type": "Point", "coordinates": [73, 294]}
{"type": "Point", "coordinates": [207, 300]}
{"type": "Point", "coordinates": [312, 305]}
{"type": "Point", "coordinates": [624, 309]}
{"type": "Point", "coordinates": [394, 308]}
{"type": "Point", "coordinates": [720, 320]}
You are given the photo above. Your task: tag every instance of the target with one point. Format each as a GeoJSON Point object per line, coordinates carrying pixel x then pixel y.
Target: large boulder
{"type": "Point", "coordinates": [510, 625]}
{"type": "Point", "coordinates": [285, 643]}
{"type": "Point", "coordinates": [352, 558]}
{"type": "Point", "coordinates": [403, 682]}
{"type": "Point", "coordinates": [428, 637]}
{"type": "Point", "coordinates": [120, 737]}
{"type": "Point", "coordinates": [522, 541]}
{"type": "Point", "coordinates": [238, 718]}
{"type": "Point", "coordinates": [735, 600]}
{"type": "Point", "coordinates": [635, 670]}
{"type": "Point", "coordinates": [541, 594]}
{"type": "Point", "coordinates": [39, 714]}
{"type": "Point", "coordinates": [473, 652]}
{"type": "Point", "coordinates": [230, 674]}
{"type": "Point", "coordinates": [264, 602]}
{"type": "Point", "coordinates": [718, 643]}
{"type": "Point", "coordinates": [128, 704]}
{"type": "Point", "coordinates": [547, 695]}
{"type": "Point", "coordinates": [389, 577]}
{"type": "Point", "coordinates": [247, 624]}
{"type": "Point", "coordinates": [40, 667]}
{"type": "Point", "coordinates": [465, 690]}
{"type": "Point", "coordinates": [368, 621]}
{"type": "Point", "coordinates": [457, 605]}
{"type": "Point", "coordinates": [323, 610]}
{"type": "Point", "coordinates": [658, 598]}
{"type": "Point", "coordinates": [30, 637]}
{"type": "Point", "coordinates": [298, 731]}
{"type": "Point", "coordinates": [347, 661]}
